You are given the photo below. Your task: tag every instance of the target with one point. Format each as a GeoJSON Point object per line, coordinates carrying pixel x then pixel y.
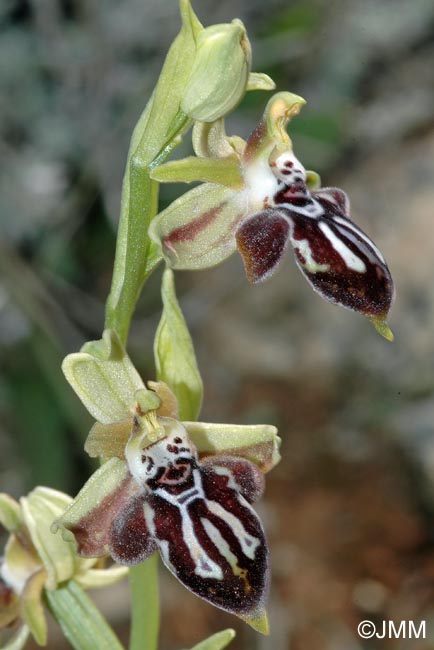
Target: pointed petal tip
{"type": "Point", "coordinates": [382, 327]}
{"type": "Point", "coordinates": [259, 622]}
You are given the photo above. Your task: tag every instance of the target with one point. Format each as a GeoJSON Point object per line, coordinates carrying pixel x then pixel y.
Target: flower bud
{"type": "Point", "coordinates": [220, 72]}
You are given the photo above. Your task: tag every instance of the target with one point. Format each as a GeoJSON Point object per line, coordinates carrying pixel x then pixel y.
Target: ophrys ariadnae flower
{"type": "Point", "coordinates": [34, 560]}
{"type": "Point", "coordinates": [260, 199]}
{"type": "Point", "coordinates": [181, 488]}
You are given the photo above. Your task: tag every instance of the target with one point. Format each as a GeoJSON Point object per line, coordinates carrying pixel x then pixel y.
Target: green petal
{"type": "Point", "coordinates": [216, 641]}
{"type": "Point", "coordinates": [175, 360]}
{"type": "Point", "coordinates": [209, 140]}
{"type": "Point", "coordinates": [224, 171]}
{"type": "Point", "coordinates": [104, 378]}
{"type": "Point", "coordinates": [40, 508]}
{"type": "Point", "coordinates": [88, 518]}
{"type": "Point", "coordinates": [258, 443]}
{"type": "Point", "coordinates": [10, 516]}
{"type": "Point", "coordinates": [197, 230]}
{"type": "Point", "coordinates": [108, 440]}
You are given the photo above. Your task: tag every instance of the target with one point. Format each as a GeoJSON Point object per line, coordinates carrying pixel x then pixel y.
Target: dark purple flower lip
{"type": "Point", "coordinates": [337, 258]}
{"type": "Point", "coordinates": [196, 513]}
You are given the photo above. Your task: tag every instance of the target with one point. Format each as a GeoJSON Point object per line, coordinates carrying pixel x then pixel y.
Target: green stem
{"type": "Point", "coordinates": [80, 620]}
{"type": "Point", "coordinates": [145, 608]}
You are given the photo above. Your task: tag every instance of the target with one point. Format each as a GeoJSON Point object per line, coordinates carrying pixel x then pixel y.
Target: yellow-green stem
{"type": "Point", "coordinates": [145, 605]}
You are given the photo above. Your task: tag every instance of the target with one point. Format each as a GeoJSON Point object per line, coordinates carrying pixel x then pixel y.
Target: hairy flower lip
{"type": "Point", "coordinates": [115, 494]}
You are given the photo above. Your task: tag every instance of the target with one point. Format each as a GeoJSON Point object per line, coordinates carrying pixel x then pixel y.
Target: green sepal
{"type": "Point", "coordinates": [39, 509]}
{"type": "Point", "coordinates": [196, 231]}
{"type": "Point", "coordinates": [10, 516]}
{"type": "Point", "coordinates": [225, 171]}
{"type": "Point", "coordinates": [106, 481]}
{"type": "Point", "coordinates": [217, 641]}
{"type": "Point", "coordinates": [104, 378]}
{"type": "Point", "coordinates": [157, 132]}
{"type": "Point", "coordinates": [80, 620]}
{"type": "Point", "coordinates": [175, 360]}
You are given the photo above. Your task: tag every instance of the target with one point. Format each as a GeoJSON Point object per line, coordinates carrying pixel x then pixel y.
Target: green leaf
{"type": "Point", "coordinates": [225, 171]}
{"type": "Point", "coordinates": [80, 620]}
{"type": "Point", "coordinates": [175, 360]}
{"type": "Point", "coordinates": [157, 132]}
{"type": "Point", "coordinates": [217, 641]}
{"type": "Point", "coordinates": [104, 378]}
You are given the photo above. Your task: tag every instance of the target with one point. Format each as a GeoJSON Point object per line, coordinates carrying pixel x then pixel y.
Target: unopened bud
{"type": "Point", "coordinates": [220, 72]}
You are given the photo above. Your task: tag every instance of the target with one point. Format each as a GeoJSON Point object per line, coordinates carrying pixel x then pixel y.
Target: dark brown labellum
{"type": "Point", "coordinates": [199, 517]}
{"type": "Point", "coordinates": [339, 260]}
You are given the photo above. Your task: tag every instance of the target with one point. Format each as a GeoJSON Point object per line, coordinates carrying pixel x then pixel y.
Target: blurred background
{"type": "Point", "coordinates": [350, 510]}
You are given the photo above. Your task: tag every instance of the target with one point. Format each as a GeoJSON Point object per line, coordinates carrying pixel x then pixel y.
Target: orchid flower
{"type": "Point", "coordinates": [259, 198]}
{"type": "Point", "coordinates": [182, 488]}
{"type": "Point", "coordinates": [34, 560]}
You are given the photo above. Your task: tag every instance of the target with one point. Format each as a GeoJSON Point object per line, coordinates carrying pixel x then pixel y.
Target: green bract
{"type": "Point", "coordinates": [175, 360]}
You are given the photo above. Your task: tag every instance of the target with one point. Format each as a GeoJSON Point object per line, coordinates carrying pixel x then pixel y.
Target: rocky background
{"type": "Point", "coordinates": [350, 509]}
